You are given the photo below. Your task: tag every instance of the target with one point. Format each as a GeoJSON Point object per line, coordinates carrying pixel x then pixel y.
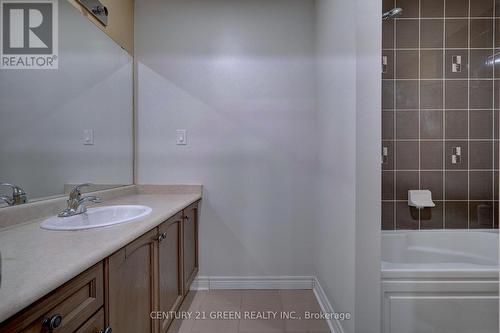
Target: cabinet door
{"type": "Point", "coordinates": [190, 244]}
{"type": "Point", "coordinates": [130, 286]}
{"type": "Point", "coordinates": [94, 325]}
{"type": "Point", "coordinates": [169, 260]}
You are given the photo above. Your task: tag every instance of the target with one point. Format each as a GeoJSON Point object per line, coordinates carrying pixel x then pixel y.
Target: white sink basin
{"type": "Point", "coordinates": [97, 217]}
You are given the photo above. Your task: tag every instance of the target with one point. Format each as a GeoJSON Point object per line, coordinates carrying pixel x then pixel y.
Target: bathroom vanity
{"type": "Point", "coordinates": [135, 269]}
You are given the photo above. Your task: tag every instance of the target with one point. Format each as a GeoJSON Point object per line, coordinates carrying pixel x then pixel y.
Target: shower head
{"type": "Point", "coordinates": [393, 13]}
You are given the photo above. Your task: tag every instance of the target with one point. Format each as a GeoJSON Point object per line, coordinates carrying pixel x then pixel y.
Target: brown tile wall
{"type": "Point", "coordinates": [428, 109]}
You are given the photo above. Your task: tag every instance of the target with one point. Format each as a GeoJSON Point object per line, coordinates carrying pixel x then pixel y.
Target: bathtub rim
{"type": "Point", "coordinates": [485, 272]}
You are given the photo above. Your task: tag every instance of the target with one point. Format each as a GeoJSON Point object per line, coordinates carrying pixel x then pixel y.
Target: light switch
{"type": "Point", "coordinates": [88, 137]}
{"type": "Point", "coordinates": [181, 137]}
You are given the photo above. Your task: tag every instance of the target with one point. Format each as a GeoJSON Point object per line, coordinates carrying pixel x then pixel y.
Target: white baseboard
{"type": "Point", "coordinates": [326, 307]}
{"type": "Point", "coordinates": [271, 282]}
{"type": "Point", "coordinates": [253, 282]}
{"type": "Point", "coordinates": [200, 283]}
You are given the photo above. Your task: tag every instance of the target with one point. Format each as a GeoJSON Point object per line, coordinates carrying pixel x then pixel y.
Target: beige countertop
{"type": "Point", "coordinates": [37, 261]}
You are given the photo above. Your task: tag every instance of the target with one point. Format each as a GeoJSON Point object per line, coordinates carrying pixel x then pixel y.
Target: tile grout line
{"type": "Point", "coordinates": [419, 107]}
{"type": "Point", "coordinates": [453, 200]}
{"type": "Point", "coordinates": [452, 170]}
{"type": "Point", "coordinates": [439, 140]}
{"type": "Point", "coordinates": [493, 113]}
{"type": "Point", "coordinates": [444, 118]}
{"type": "Point", "coordinates": [394, 117]}
{"type": "Point", "coordinates": [413, 109]}
{"type": "Point", "coordinates": [468, 114]}
{"type": "Point", "coordinates": [241, 309]}
{"type": "Point", "coordinates": [450, 18]}
{"type": "Point", "coordinates": [436, 48]}
{"type": "Point", "coordinates": [282, 307]}
{"type": "Point", "coordinates": [451, 79]}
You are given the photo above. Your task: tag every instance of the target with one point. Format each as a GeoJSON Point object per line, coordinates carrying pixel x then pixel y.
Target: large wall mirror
{"type": "Point", "coordinates": [74, 124]}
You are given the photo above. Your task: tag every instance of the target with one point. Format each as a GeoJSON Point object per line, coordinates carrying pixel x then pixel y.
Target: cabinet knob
{"type": "Point", "coordinates": [106, 330]}
{"type": "Point", "coordinates": [186, 218]}
{"type": "Point", "coordinates": [162, 237]}
{"type": "Point", "coordinates": [53, 322]}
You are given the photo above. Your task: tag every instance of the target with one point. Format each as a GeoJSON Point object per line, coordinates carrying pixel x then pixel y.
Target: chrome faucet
{"type": "Point", "coordinates": [18, 195]}
{"type": "Point", "coordinates": [76, 203]}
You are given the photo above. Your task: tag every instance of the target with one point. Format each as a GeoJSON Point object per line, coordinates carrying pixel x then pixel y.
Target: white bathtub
{"type": "Point", "coordinates": [440, 281]}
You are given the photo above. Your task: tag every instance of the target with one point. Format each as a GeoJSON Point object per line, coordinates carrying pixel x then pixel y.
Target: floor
{"type": "Point", "coordinates": [251, 306]}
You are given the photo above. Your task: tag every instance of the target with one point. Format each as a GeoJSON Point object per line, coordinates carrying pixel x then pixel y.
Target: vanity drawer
{"type": "Point", "coordinates": [68, 307]}
{"type": "Point", "coordinates": [94, 324]}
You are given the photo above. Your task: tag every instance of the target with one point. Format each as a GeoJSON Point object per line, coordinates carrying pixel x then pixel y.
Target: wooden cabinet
{"type": "Point", "coordinates": [153, 273]}
{"type": "Point", "coordinates": [120, 25]}
{"type": "Point", "coordinates": [190, 245]}
{"type": "Point", "coordinates": [65, 309]}
{"type": "Point", "coordinates": [131, 273]}
{"type": "Point", "coordinates": [169, 267]}
{"type": "Point", "coordinates": [94, 324]}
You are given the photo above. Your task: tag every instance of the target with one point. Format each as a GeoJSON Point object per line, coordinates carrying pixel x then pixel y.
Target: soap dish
{"type": "Point", "coordinates": [420, 199]}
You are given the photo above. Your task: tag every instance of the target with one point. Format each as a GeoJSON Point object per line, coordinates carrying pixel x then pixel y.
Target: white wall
{"type": "Point", "coordinates": [368, 165]}
{"type": "Point", "coordinates": [347, 232]}
{"type": "Point", "coordinates": [43, 114]}
{"type": "Point", "coordinates": [240, 77]}
{"type": "Point", "coordinates": [281, 100]}
{"type": "Point", "coordinates": [334, 236]}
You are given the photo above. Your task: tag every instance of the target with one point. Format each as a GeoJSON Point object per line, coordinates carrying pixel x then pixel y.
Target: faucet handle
{"type": "Point", "coordinates": [76, 191]}
{"type": "Point", "coordinates": [18, 194]}
{"type": "Point", "coordinates": [93, 199]}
